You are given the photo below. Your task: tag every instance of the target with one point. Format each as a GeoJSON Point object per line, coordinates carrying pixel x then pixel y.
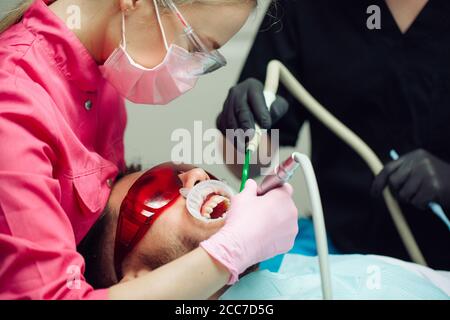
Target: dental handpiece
{"type": "Point", "coordinates": [283, 173]}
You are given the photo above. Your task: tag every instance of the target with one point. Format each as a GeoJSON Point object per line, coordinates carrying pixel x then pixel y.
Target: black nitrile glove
{"type": "Point", "coordinates": [417, 178]}
{"type": "Point", "coordinates": [246, 104]}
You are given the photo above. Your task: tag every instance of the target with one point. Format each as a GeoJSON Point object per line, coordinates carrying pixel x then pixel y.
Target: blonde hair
{"type": "Point", "coordinates": [16, 14]}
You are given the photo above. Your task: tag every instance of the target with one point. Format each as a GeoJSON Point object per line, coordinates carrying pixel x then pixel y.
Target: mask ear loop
{"type": "Point", "coordinates": [124, 40]}
{"type": "Point", "coordinates": [158, 16]}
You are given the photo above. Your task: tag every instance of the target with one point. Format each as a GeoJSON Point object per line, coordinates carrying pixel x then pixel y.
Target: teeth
{"type": "Point", "coordinates": [208, 216]}
{"type": "Point", "coordinates": [211, 204]}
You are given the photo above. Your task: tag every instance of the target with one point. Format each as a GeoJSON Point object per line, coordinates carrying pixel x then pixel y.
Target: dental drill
{"type": "Point", "coordinates": [283, 173]}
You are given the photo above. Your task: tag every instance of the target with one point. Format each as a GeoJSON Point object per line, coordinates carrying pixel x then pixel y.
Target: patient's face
{"type": "Point", "coordinates": [175, 233]}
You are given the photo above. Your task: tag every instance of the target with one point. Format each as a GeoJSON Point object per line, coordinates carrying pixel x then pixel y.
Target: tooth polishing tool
{"type": "Point", "coordinates": [283, 173]}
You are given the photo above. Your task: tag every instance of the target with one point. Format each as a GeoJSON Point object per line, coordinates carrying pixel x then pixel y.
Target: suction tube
{"type": "Point", "coordinates": [319, 223]}
{"type": "Point", "coordinates": [283, 173]}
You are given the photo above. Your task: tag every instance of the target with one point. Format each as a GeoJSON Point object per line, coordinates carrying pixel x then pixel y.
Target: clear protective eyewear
{"type": "Point", "coordinates": [215, 59]}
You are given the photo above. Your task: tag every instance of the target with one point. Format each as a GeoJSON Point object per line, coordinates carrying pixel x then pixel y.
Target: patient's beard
{"type": "Point", "coordinates": [168, 247]}
{"type": "Point", "coordinates": [98, 251]}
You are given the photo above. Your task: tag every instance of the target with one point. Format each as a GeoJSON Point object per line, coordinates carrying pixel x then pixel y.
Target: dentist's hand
{"type": "Point", "coordinates": [246, 105]}
{"type": "Point", "coordinates": [256, 229]}
{"type": "Point", "coordinates": [417, 178]}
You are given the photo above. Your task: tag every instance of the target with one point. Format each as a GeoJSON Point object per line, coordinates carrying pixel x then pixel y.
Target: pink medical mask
{"type": "Point", "coordinates": [177, 74]}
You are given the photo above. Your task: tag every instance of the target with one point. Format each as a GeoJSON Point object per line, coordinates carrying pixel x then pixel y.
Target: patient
{"type": "Point", "coordinates": [176, 232]}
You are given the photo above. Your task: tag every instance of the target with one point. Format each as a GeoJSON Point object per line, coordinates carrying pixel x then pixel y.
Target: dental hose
{"type": "Point", "coordinates": [277, 72]}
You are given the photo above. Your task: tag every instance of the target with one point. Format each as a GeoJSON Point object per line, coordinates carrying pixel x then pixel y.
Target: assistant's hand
{"type": "Point", "coordinates": [246, 104]}
{"type": "Point", "coordinates": [416, 178]}
{"type": "Point", "coordinates": [256, 228]}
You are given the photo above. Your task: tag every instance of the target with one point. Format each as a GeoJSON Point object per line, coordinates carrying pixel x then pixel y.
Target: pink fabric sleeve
{"type": "Point", "coordinates": [37, 246]}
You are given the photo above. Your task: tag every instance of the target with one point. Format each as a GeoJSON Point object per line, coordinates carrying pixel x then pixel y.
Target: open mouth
{"type": "Point", "coordinates": [215, 206]}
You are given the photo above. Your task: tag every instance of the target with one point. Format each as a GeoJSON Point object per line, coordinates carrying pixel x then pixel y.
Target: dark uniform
{"type": "Point", "coordinates": [391, 89]}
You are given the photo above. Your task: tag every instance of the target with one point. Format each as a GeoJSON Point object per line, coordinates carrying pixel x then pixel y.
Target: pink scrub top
{"type": "Point", "coordinates": [61, 147]}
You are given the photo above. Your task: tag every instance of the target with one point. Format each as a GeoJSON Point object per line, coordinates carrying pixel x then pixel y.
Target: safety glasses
{"type": "Point", "coordinates": [213, 58]}
{"type": "Point", "coordinates": [147, 199]}
{"type": "Point", "coordinates": [153, 193]}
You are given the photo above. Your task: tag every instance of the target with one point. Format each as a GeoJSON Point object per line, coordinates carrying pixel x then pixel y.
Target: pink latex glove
{"type": "Point", "coordinates": [257, 228]}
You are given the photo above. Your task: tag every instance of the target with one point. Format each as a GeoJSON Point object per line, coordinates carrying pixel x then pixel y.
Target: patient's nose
{"type": "Point", "coordinates": [192, 177]}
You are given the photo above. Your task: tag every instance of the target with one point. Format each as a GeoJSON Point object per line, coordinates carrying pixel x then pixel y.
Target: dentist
{"type": "Point", "coordinates": [62, 122]}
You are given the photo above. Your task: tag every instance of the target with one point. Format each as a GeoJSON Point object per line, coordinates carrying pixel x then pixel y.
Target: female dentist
{"type": "Point", "coordinates": [61, 132]}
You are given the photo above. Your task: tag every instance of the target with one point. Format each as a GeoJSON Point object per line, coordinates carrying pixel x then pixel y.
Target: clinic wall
{"type": "Point", "coordinates": [149, 131]}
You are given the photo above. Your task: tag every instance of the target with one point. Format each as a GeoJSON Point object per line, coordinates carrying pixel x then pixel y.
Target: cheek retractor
{"type": "Point", "coordinates": [209, 200]}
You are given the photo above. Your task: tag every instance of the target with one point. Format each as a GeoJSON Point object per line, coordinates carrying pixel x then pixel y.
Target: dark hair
{"type": "Point", "coordinates": [90, 248]}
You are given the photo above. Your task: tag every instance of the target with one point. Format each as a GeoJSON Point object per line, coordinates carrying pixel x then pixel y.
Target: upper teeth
{"type": "Point", "coordinates": [211, 204]}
